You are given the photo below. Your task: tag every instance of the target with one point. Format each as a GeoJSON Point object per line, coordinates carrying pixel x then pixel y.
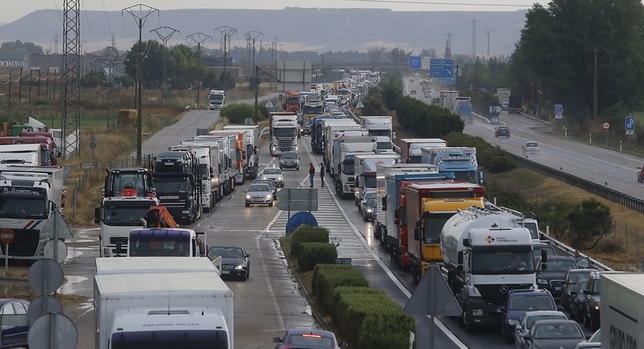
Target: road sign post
{"type": "Point", "coordinates": [629, 125]}
{"type": "Point", "coordinates": [297, 200]}
{"type": "Point", "coordinates": [6, 237]}
{"type": "Point", "coordinates": [558, 111]}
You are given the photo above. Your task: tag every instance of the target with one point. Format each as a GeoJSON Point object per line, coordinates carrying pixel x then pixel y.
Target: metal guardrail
{"type": "Point", "coordinates": [571, 251]}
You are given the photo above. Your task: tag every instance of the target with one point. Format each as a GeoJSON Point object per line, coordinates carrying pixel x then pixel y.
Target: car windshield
{"type": "Point", "coordinates": [580, 286]}
{"type": "Point", "coordinates": [268, 182]}
{"type": "Point", "coordinates": [226, 252]}
{"type": "Point", "coordinates": [171, 155]}
{"type": "Point", "coordinates": [558, 331]}
{"type": "Point", "coordinates": [289, 156]}
{"type": "Point", "coordinates": [596, 286]}
{"type": "Point", "coordinates": [532, 319]}
{"type": "Point", "coordinates": [561, 265]}
{"type": "Point", "coordinates": [532, 145]}
{"type": "Point", "coordinates": [519, 302]}
{"type": "Point", "coordinates": [371, 202]}
{"type": "Point", "coordinates": [259, 188]}
{"type": "Point", "coordinates": [272, 171]}
{"type": "Point", "coordinates": [574, 277]}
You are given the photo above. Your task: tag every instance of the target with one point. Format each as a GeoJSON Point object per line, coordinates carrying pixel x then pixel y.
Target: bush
{"type": "Point", "coordinates": [307, 233]}
{"type": "Point", "coordinates": [327, 277]}
{"type": "Point", "coordinates": [501, 163]}
{"type": "Point", "coordinates": [338, 292]}
{"type": "Point", "coordinates": [613, 245]}
{"type": "Point", "coordinates": [237, 113]}
{"type": "Point", "coordinates": [314, 253]}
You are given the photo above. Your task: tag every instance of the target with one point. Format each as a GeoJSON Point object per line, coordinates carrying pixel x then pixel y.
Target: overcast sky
{"type": "Point", "coordinates": [15, 9]}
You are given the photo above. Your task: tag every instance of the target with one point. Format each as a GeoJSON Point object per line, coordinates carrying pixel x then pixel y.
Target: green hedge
{"type": "Point", "coordinates": [313, 253]}
{"type": "Point", "coordinates": [334, 296]}
{"type": "Point", "coordinates": [373, 321]}
{"type": "Point", "coordinates": [327, 277]}
{"type": "Point", "coordinates": [306, 233]}
{"type": "Point", "coordinates": [237, 113]}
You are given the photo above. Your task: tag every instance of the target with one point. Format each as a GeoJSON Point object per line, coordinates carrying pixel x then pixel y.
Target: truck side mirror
{"type": "Point", "coordinates": [460, 258]}
{"type": "Point", "coordinates": [466, 242]}
{"type": "Point", "coordinates": [544, 256]}
{"type": "Point", "coordinates": [97, 215]}
{"type": "Point", "coordinates": [383, 204]}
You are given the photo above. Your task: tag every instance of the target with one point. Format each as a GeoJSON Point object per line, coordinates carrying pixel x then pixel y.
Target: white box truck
{"type": "Point", "coordinates": [163, 310]}
{"type": "Point", "coordinates": [622, 309]}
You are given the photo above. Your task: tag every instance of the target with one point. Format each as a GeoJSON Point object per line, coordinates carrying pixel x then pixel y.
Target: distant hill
{"type": "Point", "coordinates": [318, 30]}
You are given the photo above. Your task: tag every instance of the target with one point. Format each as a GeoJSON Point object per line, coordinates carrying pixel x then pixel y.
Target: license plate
{"type": "Point", "coordinates": [169, 163]}
{"type": "Point", "coordinates": [226, 272]}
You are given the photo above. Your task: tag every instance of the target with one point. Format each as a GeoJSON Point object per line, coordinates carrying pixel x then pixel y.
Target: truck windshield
{"type": "Point", "coordinates": [128, 213]}
{"type": "Point", "coordinates": [293, 100]}
{"type": "Point", "coordinates": [502, 260]}
{"type": "Point", "coordinates": [313, 109]}
{"type": "Point", "coordinates": [123, 180]}
{"type": "Point", "coordinates": [383, 145]}
{"type": "Point", "coordinates": [216, 98]}
{"type": "Point", "coordinates": [469, 176]}
{"type": "Point", "coordinates": [161, 247]}
{"type": "Point", "coordinates": [349, 167]}
{"type": "Point", "coordinates": [380, 133]}
{"type": "Point", "coordinates": [285, 132]}
{"type": "Point", "coordinates": [172, 185]}
{"type": "Point", "coordinates": [370, 181]}
{"type": "Point", "coordinates": [23, 203]}
{"type": "Point", "coordinates": [168, 339]}
{"type": "Point", "coordinates": [434, 225]}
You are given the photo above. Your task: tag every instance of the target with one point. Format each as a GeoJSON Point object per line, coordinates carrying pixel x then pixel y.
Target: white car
{"type": "Point", "coordinates": [259, 194]}
{"type": "Point", "coordinates": [531, 146]}
{"type": "Point", "coordinates": [274, 173]}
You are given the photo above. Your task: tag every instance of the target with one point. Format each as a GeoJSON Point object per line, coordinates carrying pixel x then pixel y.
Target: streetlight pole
{"type": "Point", "coordinates": [198, 38]}
{"type": "Point", "coordinates": [140, 21]}
{"type": "Point", "coordinates": [595, 85]}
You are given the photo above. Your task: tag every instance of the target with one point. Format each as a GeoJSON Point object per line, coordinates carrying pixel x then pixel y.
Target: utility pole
{"type": "Point", "coordinates": [473, 40]}
{"type": "Point", "coordinates": [164, 39]}
{"type": "Point", "coordinates": [225, 32]}
{"type": "Point", "coordinates": [595, 85]}
{"type": "Point", "coordinates": [140, 19]}
{"type": "Point", "coordinates": [488, 32]}
{"type": "Point", "coordinates": [254, 35]}
{"type": "Point", "coordinates": [199, 38]}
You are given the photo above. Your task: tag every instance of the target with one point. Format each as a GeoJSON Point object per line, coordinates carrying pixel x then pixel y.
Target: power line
{"type": "Point", "coordinates": [164, 40]}
{"type": "Point", "coordinates": [199, 38]}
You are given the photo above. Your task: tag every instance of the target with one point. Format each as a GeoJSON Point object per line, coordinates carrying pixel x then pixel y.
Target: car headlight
{"type": "Point", "coordinates": [596, 306]}
{"type": "Point", "coordinates": [248, 197]}
{"type": "Point", "coordinates": [268, 196]}
{"type": "Point", "coordinates": [369, 210]}
{"type": "Point", "coordinates": [542, 281]}
{"type": "Point", "coordinates": [513, 322]}
{"type": "Point", "coordinates": [239, 267]}
{"type": "Point", "coordinates": [264, 177]}
{"type": "Point", "coordinates": [279, 178]}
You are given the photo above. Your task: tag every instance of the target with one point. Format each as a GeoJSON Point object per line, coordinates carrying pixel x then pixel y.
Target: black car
{"type": "Point", "coordinates": [502, 131]}
{"type": "Point", "coordinates": [14, 336]}
{"type": "Point", "coordinates": [640, 173]}
{"type": "Point", "coordinates": [369, 209]}
{"type": "Point", "coordinates": [571, 278]}
{"type": "Point", "coordinates": [174, 161]}
{"type": "Point", "coordinates": [591, 301]}
{"type": "Point", "coordinates": [576, 300]}
{"type": "Point", "coordinates": [551, 274]}
{"type": "Point", "coordinates": [517, 303]}
{"type": "Point", "coordinates": [235, 261]}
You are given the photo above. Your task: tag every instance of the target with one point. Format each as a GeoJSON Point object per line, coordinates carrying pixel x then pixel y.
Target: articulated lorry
{"type": "Point", "coordinates": [388, 180]}
{"type": "Point", "coordinates": [317, 140]}
{"type": "Point", "coordinates": [222, 153]}
{"type": "Point", "coordinates": [478, 248]}
{"type": "Point", "coordinates": [622, 309]}
{"type": "Point", "coordinates": [459, 160]}
{"type": "Point", "coordinates": [210, 187]}
{"type": "Point", "coordinates": [410, 148]}
{"type": "Point", "coordinates": [343, 162]}
{"type": "Point", "coordinates": [217, 99]}
{"type": "Point", "coordinates": [428, 206]}
{"type": "Point", "coordinates": [283, 132]}
{"type": "Point", "coordinates": [365, 172]}
{"type": "Point", "coordinates": [335, 133]}
{"type": "Point", "coordinates": [381, 127]}
{"type": "Point", "coordinates": [180, 191]}
{"type": "Point", "coordinates": [166, 242]}
{"type": "Point", "coordinates": [29, 198]}
{"type": "Point", "coordinates": [235, 148]}
{"type": "Point", "coordinates": [182, 309]}
{"type": "Point", "coordinates": [251, 141]}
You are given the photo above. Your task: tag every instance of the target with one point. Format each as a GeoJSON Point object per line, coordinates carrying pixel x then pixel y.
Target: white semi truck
{"type": "Point", "coordinates": [251, 142]}
{"type": "Point", "coordinates": [210, 190]}
{"type": "Point", "coordinates": [478, 247]}
{"type": "Point", "coordinates": [365, 172]}
{"type": "Point", "coordinates": [622, 309]}
{"type": "Point", "coordinates": [29, 198]}
{"type": "Point", "coordinates": [345, 150]}
{"type": "Point", "coordinates": [284, 133]}
{"type": "Point", "coordinates": [183, 309]}
{"type": "Point", "coordinates": [381, 127]}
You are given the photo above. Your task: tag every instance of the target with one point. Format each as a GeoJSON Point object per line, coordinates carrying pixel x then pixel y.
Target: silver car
{"type": "Point", "coordinates": [259, 194]}
{"type": "Point", "coordinates": [554, 334]}
{"type": "Point", "coordinates": [528, 319]}
{"type": "Point", "coordinates": [273, 173]}
{"type": "Point", "coordinates": [289, 159]}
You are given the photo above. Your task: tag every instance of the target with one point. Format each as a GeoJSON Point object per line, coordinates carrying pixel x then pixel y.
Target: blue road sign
{"type": "Point", "coordinates": [441, 68]}
{"type": "Point", "coordinates": [447, 62]}
{"type": "Point", "coordinates": [558, 111]}
{"type": "Point", "coordinates": [415, 62]}
{"type": "Point", "coordinates": [435, 61]}
{"type": "Point", "coordinates": [494, 120]}
{"type": "Point", "coordinates": [630, 123]}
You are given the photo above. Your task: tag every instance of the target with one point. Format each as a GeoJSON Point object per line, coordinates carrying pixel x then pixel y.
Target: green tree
{"type": "Point", "coordinates": [13, 47]}
{"type": "Point", "coordinates": [559, 45]}
{"type": "Point", "coordinates": [376, 54]}
{"type": "Point", "coordinates": [152, 64]}
{"type": "Point", "coordinates": [399, 57]}
{"type": "Point", "coordinates": [590, 221]}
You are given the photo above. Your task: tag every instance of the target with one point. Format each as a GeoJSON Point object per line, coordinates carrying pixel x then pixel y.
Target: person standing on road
{"type": "Point", "coordinates": [311, 173]}
{"type": "Point", "coordinates": [322, 173]}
